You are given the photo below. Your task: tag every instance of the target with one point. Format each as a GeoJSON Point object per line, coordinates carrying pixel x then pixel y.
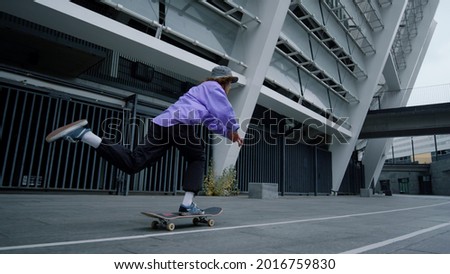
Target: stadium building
{"type": "Point", "coordinates": [309, 71]}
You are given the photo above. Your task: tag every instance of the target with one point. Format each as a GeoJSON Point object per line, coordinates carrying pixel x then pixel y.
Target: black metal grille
{"type": "Point", "coordinates": [296, 168]}
{"type": "Point", "coordinates": [28, 162]}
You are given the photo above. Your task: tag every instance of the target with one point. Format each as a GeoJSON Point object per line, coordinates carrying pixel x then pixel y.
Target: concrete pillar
{"type": "Point", "coordinates": [376, 149]}
{"type": "Point", "coordinates": [254, 46]}
{"type": "Point", "coordinates": [341, 152]}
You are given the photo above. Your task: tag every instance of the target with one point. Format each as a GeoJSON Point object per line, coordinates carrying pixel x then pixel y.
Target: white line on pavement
{"type": "Point", "coordinates": [166, 234]}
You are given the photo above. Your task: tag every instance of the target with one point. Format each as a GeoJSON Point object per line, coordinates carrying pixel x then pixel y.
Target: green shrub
{"type": "Point", "coordinates": [224, 185]}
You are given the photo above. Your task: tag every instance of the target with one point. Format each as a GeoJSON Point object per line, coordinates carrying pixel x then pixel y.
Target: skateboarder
{"type": "Point", "coordinates": [206, 104]}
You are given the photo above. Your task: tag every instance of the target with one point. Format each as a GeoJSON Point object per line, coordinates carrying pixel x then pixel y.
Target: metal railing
{"type": "Point", "coordinates": [230, 10]}
{"type": "Point", "coordinates": [407, 31]}
{"type": "Point", "coordinates": [348, 23]}
{"type": "Point", "coordinates": [371, 14]}
{"type": "Point", "coordinates": [288, 49]}
{"type": "Point", "coordinates": [161, 28]}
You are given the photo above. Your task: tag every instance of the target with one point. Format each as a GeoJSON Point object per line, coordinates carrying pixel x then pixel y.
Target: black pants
{"type": "Point", "coordinates": [158, 140]}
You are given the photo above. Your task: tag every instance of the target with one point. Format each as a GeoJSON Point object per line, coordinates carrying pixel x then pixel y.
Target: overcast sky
{"type": "Point", "coordinates": [435, 70]}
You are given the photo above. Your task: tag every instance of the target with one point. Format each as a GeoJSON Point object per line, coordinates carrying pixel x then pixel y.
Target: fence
{"type": "Point", "coordinates": [28, 162]}
{"type": "Point", "coordinates": [296, 168]}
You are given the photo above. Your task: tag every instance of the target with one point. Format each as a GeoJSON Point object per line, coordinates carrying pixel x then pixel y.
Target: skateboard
{"type": "Point", "coordinates": [166, 219]}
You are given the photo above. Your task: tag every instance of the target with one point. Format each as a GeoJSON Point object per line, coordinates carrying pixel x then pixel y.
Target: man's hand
{"type": "Point", "coordinates": [234, 137]}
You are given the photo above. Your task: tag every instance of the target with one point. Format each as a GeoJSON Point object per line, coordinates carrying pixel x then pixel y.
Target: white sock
{"type": "Point", "coordinates": [91, 139]}
{"type": "Point", "coordinates": [188, 197]}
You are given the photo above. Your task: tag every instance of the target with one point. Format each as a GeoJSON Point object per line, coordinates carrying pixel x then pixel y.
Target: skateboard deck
{"type": "Point", "coordinates": [166, 219]}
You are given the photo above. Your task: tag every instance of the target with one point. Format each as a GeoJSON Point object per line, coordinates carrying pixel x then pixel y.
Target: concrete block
{"type": "Point", "coordinates": [364, 192]}
{"type": "Point", "coordinates": [262, 190]}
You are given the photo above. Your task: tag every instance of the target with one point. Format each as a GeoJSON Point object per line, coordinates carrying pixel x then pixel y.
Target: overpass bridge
{"type": "Point", "coordinates": [407, 121]}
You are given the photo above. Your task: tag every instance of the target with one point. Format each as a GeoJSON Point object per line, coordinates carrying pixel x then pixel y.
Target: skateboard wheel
{"type": "Point", "coordinates": [170, 226]}
{"type": "Point", "coordinates": [155, 225]}
{"type": "Point", "coordinates": [196, 221]}
{"type": "Point", "coordinates": [211, 222]}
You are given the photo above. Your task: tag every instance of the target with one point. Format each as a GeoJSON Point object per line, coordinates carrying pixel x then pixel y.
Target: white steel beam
{"type": "Point", "coordinates": [255, 46]}
{"type": "Point", "coordinates": [341, 153]}
{"type": "Point", "coordinates": [376, 149]}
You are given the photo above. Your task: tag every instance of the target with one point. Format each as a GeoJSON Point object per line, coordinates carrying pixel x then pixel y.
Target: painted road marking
{"type": "Point", "coordinates": [174, 233]}
{"type": "Point", "coordinates": [394, 240]}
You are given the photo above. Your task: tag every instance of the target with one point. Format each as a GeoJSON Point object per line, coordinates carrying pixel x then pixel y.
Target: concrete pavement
{"type": "Point", "coordinates": [106, 224]}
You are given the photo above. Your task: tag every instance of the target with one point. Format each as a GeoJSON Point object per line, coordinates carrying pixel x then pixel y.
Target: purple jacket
{"type": "Point", "coordinates": [205, 104]}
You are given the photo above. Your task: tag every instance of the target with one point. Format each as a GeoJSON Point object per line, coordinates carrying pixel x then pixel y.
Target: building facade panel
{"type": "Point", "coordinates": [316, 64]}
